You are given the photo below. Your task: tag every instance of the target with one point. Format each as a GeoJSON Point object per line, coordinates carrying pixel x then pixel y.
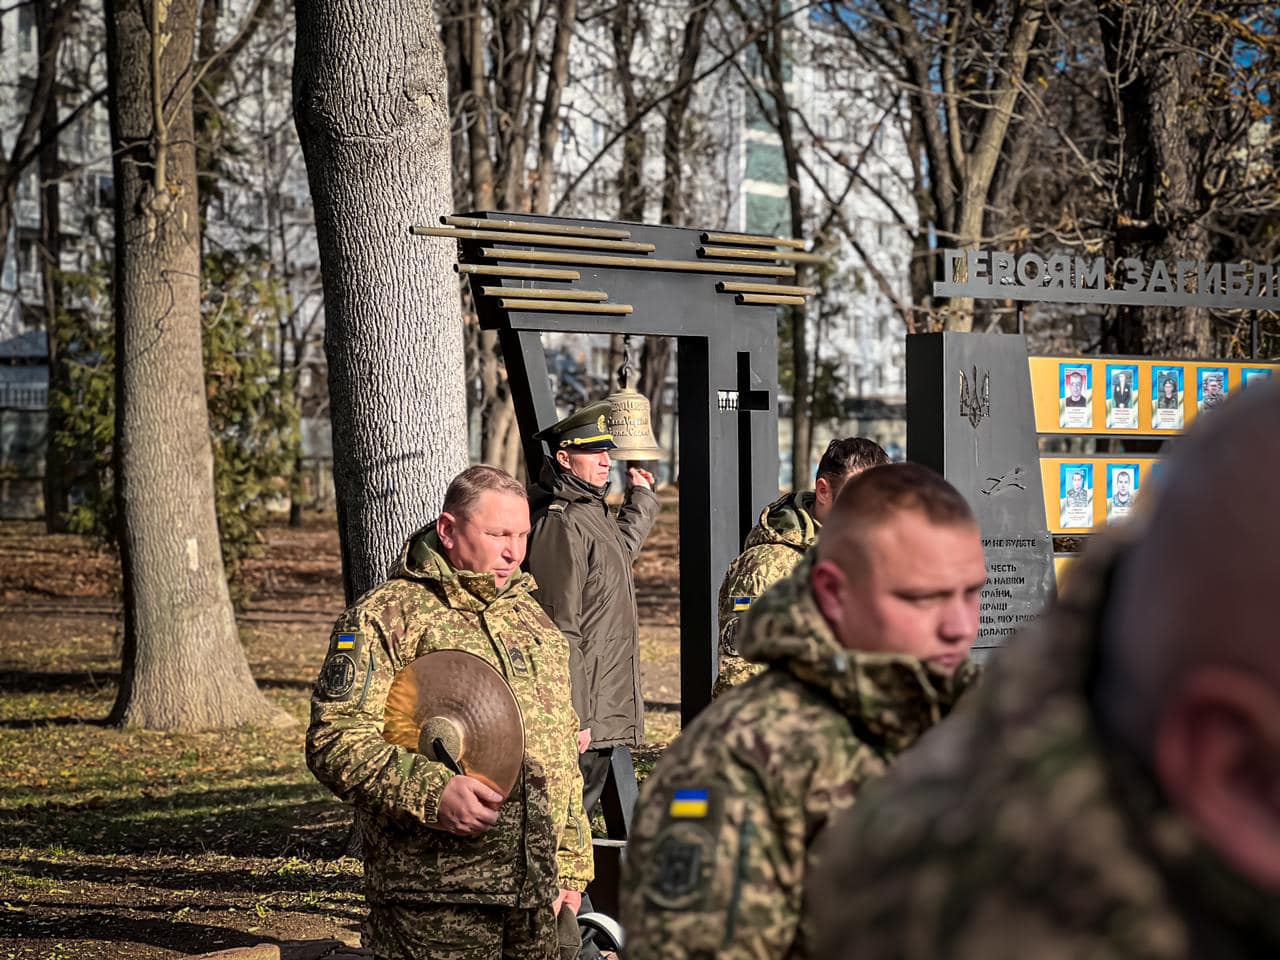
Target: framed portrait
{"type": "Point", "coordinates": [1211, 387]}
{"type": "Point", "coordinates": [1166, 398]}
{"type": "Point", "coordinates": [1075, 496]}
{"type": "Point", "coordinates": [1122, 396]}
{"type": "Point", "coordinates": [1252, 376]}
{"type": "Point", "coordinates": [1122, 489]}
{"type": "Point", "coordinates": [1075, 395]}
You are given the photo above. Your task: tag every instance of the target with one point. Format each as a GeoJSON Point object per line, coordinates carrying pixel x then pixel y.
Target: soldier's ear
{"type": "Point", "coordinates": [445, 530]}
{"type": "Point", "coordinates": [822, 490]}
{"type": "Point", "coordinates": [1217, 756]}
{"type": "Point", "coordinates": [827, 581]}
{"type": "Point", "coordinates": [562, 458]}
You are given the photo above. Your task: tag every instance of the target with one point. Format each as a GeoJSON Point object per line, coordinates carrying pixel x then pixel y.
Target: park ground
{"type": "Point", "coordinates": [150, 845]}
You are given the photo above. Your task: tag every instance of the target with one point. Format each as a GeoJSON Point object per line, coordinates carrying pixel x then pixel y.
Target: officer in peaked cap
{"type": "Point", "coordinates": [581, 555]}
{"type": "Point", "coordinates": [585, 430]}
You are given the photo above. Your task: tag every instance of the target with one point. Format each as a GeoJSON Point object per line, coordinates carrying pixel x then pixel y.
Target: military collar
{"type": "Point", "coordinates": [890, 699]}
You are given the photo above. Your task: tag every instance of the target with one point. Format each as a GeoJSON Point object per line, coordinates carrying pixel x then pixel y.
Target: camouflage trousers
{"type": "Point", "coordinates": [735, 671]}
{"type": "Point", "coordinates": [465, 932]}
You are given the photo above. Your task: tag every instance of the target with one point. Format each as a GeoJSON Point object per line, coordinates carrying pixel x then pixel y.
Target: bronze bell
{"type": "Point", "coordinates": [630, 422]}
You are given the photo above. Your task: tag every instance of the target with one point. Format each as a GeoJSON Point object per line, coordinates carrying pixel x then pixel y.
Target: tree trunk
{"type": "Point", "coordinates": [371, 108]}
{"type": "Point", "coordinates": [56, 467]}
{"type": "Point", "coordinates": [549, 122]}
{"type": "Point", "coordinates": [772, 53]}
{"type": "Point", "coordinates": [183, 666]}
{"type": "Point", "coordinates": [1159, 213]}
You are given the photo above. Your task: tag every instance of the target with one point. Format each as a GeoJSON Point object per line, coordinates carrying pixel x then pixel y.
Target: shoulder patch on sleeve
{"type": "Point", "coordinates": [742, 604]}
{"type": "Point", "coordinates": [337, 677]}
{"type": "Point", "coordinates": [677, 877]}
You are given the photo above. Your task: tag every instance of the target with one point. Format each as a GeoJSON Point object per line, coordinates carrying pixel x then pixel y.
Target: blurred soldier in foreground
{"type": "Point", "coordinates": [452, 868]}
{"type": "Point", "coordinates": [867, 645]}
{"type": "Point", "coordinates": [581, 556]}
{"type": "Point", "coordinates": [788, 527]}
{"type": "Point", "coordinates": [1114, 791]}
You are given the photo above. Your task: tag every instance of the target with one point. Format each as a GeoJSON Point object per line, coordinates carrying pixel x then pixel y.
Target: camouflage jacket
{"type": "Point", "coordinates": [774, 546]}
{"type": "Point", "coordinates": [542, 840]}
{"type": "Point", "coordinates": [1021, 831]}
{"type": "Point", "coordinates": [722, 835]}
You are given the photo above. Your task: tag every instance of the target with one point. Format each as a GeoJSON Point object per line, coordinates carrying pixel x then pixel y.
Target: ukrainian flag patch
{"type": "Point", "coordinates": [346, 641]}
{"type": "Point", "coordinates": [741, 603]}
{"type": "Point", "coordinates": [689, 804]}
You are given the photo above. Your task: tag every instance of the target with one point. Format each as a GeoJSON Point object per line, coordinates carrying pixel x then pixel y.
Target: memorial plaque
{"type": "Point", "coordinates": [970, 416]}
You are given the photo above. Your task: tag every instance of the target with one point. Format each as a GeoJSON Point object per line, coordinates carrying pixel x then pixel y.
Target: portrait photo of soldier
{"type": "Point", "coordinates": [1167, 409]}
{"type": "Point", "coordinates": [1122, 407]}
{"type": "Point", "coordinates": [1211, 387]}
{"type": "Point", "coordinates": [1075, 400]}
{"type": "Point", "coordinates": [1075, 496]}
{"type": "Point", "coordinates": [1122, 489]}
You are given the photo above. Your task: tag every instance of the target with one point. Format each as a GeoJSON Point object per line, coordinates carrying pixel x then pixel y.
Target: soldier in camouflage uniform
{"type": "Point", "coordinates": [1112, 793]}
{"type": "Point", "coordinates": [788, 527]}
{"type": "Point", "coordinates": [452, 868]}
{"type": "Point", "coordinates": [866, 646]}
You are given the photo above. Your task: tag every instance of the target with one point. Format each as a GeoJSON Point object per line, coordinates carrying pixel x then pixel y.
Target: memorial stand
{"type": "Point", "coordinates": [717, 295]}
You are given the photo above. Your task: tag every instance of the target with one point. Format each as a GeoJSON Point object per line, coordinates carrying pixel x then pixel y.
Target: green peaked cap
{"type": "Point", "coordinates": [587, 429]}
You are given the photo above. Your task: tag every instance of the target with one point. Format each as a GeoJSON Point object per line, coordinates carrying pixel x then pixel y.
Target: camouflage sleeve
{"type": "Point", "coordinates": [713, 868]}
{"type": "Point", "coordinates": [637, 517]}
{"type": "Point", "coordinates": [345, 747]}
{"type": "Point", "coordinates": [557, 560]}
{"type": "Point", "coordinates": [753, 572]}
{"type": "Point", "coordinates": [574, 858]}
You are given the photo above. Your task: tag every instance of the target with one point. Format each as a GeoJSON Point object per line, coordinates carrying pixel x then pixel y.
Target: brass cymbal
{"type": "Point", "coordinates": [453, 702]}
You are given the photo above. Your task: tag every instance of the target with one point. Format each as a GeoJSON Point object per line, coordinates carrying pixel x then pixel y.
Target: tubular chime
{"type": "Point", "coordinates": [539, 252]}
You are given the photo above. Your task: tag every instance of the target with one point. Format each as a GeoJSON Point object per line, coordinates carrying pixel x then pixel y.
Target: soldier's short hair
{"type": "Point", "coordinates": [847, 454]}
{"type": "Point", "coordinates": [875, 495]}
{"type": "Point", "coordinates": [465, 489]}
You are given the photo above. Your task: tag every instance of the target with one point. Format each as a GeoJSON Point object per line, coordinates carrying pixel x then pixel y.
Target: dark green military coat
{"type": "Point", "coordinates": [581, 555]}
{"type": "Point", "coordinates": [721, 844]}
{"type": "Point", "coordinates": [1021, 830]}
{"type": "Point", "coordinates": [542, 840]}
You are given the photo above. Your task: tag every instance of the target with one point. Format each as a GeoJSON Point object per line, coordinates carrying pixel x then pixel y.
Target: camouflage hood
{"type": "Point", "coordinates": [423, 559]}
{"type": "Point", "coordinates": [891, 699]}
{"type": "Point", "coordinates": [788, 520]}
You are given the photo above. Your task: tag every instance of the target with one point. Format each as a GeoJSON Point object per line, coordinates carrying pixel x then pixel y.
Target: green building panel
{"type": "Point", "coordinates": [768, 215]}
{"type": "Point", "coordinates": [765, 161]}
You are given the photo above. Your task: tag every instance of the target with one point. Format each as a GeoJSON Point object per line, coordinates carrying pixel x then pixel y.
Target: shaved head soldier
{"type": "Point", "coordinates": [1115, 792]}
{"type": "Point", "coordinates": [866, 645]}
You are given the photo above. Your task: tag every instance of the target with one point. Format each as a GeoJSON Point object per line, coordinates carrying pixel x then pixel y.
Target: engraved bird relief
{"type": "Point", "coordinates": [976, 404]}
{"type": "Point", "coordinates": [1011, 479]}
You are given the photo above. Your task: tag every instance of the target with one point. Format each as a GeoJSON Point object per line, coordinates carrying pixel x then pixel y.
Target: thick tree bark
{"type": "Point", "coordinates": [371, 109]}
{"type": "Point", "coordinates": [183, 666]}
{"type": "Point", "coordinates": [1160, 213]}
